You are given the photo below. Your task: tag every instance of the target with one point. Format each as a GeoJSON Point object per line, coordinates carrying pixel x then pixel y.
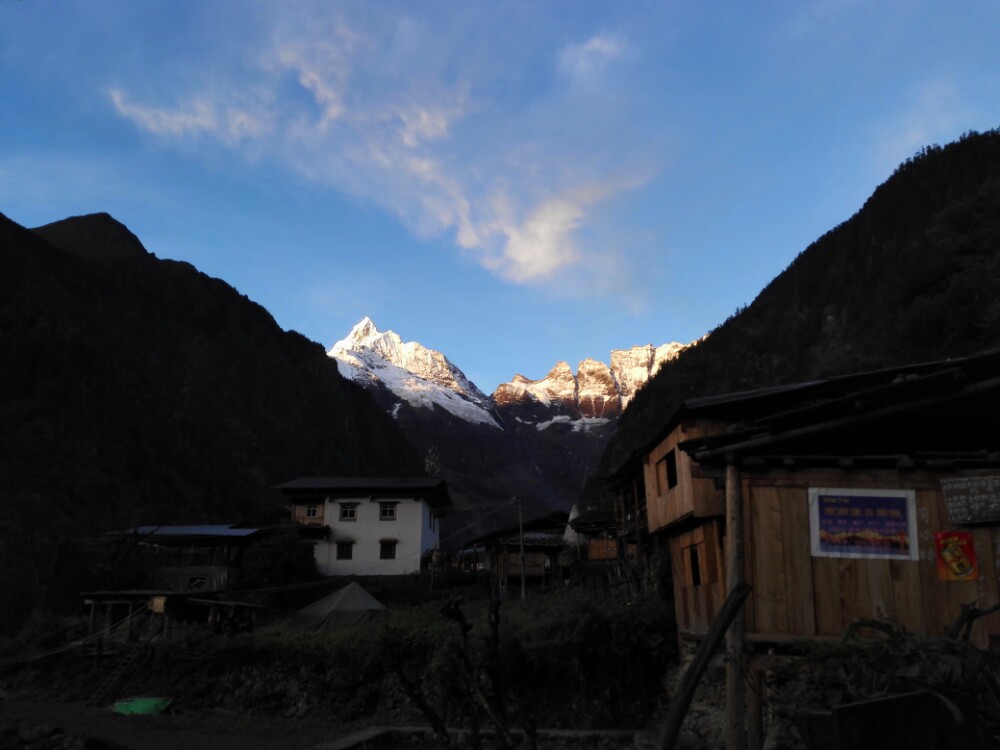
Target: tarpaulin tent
{"type": "Point", "coordinates": [342, 607]}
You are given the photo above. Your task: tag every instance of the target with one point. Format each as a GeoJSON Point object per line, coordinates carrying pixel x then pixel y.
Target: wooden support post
{"type": "Point", "coordinates": [520, 536]}
{"type": "Point", "coordinates": [106, 627]}
{"type": "Point", "coordinates": [128, 623]}
{"type": "Point", "coordinates": [755, 706]}
{"type": "Point", "coordinates": [736, 737]}
{"type": "Point", "coordinates": [680, 702]}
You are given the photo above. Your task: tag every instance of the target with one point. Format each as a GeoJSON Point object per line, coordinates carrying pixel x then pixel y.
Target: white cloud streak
{"type": "Point", "coordinates": [936, 111]}
{"type": "Point", "coordinates": [347, 108]}
{"type": "Point", "coordinates": [592, 55]}
{"type": "Point", "coordinates": [197, 117]}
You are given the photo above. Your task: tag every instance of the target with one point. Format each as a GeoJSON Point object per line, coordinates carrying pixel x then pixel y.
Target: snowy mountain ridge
{"type": "Point", "coordinates": [426, 378]}
{"type": "Point", "coordinates": [419, 376]}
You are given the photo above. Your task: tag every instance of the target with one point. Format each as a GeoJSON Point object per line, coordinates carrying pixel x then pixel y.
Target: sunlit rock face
{"type": "Point", "coordinates": [632, 368]}
{"type": "Point", "coordinates": [556, 390]}
{"type": "Point", "coordinates": [597, 391]}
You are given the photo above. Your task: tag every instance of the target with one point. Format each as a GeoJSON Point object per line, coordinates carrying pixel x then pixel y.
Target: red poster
{"type": "Point", "coordinates": [956, 556]}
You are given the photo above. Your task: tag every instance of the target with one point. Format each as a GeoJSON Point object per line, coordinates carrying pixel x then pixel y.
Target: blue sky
{"type": "Point", "coordinates": [512, 183]}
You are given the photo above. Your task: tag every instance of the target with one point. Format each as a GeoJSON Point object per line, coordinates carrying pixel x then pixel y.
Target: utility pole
{"type": "Point", "coordinates": [736, 690]}
{"type": "Point", "coordinates": [520, 529]}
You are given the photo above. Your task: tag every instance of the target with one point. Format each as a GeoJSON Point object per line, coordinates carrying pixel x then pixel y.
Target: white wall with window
{"type": "Point", "coordinates": [376, 536]}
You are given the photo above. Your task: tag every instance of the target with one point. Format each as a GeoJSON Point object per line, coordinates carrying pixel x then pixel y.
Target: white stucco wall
{"type": "Point", "coordinates": [414, 529]}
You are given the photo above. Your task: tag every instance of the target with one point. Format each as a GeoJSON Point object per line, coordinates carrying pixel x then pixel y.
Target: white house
{"type": "Point", "coordinates": [377, 525]}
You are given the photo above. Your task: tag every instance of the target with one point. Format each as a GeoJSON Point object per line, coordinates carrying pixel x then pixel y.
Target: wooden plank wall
{"type": "Point", "coordinates": [299, 513]}
{"type": "Point", "coordinates": [696, 606]}
{"type": "Point", "coordinates": [534, 563]}
{"type": "Point", "coordinates": [796, 594]}
{"type": "Point", "coordinates": [692, 495]}
{"type": "Point", "coordinates": [602, 549]}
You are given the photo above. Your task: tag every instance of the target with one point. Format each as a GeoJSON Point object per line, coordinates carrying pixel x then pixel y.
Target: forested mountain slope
{"type": "Point", "coordinates": [137, 390]}
{"type": "Point", "coordinates": [914, 275]}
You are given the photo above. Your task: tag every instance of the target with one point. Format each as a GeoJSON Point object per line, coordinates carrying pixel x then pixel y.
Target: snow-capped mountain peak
{"type": "Point", "coordinates": [558, 387]}
{"type": "Point", "coordinates": [597, 391]}
{"type": "Point", "coordinates": [419, 376]}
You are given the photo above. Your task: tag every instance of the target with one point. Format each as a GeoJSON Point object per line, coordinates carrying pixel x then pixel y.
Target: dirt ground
{"type": "Point", "coordinates": [214, 730]}
{"type": "Point", "coordinates": [180, 731]}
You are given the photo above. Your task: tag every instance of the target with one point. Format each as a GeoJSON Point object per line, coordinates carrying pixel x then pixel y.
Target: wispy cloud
{"type": "Point", "coordinates": [228, 122]}
{"type": "Point", "coordinates": [197, 117]}
{"type": "Point", "coordinates": [591, 55]}
{"type": "Point", "coordinates": [812, 16]}
{"type": "Point", "coordinates": [934, 112]}
{"type": "Point", "coordinates": [542, 243]}
{"type": "Point", "coordinates": [377, 113]}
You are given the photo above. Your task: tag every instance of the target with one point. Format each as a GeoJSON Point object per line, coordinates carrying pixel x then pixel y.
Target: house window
{"type": "Point", "coordinates": [345, 550]}
{"type": "Point", "coordinates": [698, 567]}
{"type": "Point", "coordinates": [311, 511]}
{"type": "Point", "coordinates": [671, 459]}
{"type": "Point", "coordinates": [694, 565]}
{"type": "Point", "coordinates": [666, 472]}
{"type": "Point", "coordinates": [348, 511]}
{"type": "Point", "coordinates": [387, 511]}
{"type": "Point", "coordinates": [387, 549]}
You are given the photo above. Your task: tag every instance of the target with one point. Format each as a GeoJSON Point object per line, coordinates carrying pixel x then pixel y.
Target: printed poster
{"type": "Point", "coordinates": [955, 552]}
{"type": "Point", "coordinates": [863, 523]}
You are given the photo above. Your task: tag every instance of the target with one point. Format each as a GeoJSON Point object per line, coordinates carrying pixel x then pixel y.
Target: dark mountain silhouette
{"type": "Point", "coordinates": [489, 470]}
{"type": "Point", "coordinates": [913, 276]}
{"type": "Point", "coordinates": [138, 390]}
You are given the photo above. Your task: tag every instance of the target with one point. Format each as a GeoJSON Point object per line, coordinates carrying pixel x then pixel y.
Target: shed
{"type": "Point", "coordinates": [857, 494]}
{"type": "Point", "coordinates": [873, 495]}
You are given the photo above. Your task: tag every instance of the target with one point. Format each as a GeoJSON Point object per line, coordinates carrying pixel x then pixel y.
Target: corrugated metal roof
{"type": "Point", "coordinates": [205, 530]}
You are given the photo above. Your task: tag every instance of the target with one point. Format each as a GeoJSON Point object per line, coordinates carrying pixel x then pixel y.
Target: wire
{"type": "Point", "coordinates": [68, 647]}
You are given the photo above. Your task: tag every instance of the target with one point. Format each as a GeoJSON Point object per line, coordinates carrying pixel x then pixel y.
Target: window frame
{"type": "Point", "coordinates": [387, 549]}
{"type": "Point", "coordinates": [666, 472]}
{"type": "Point", "coordinates": [348, 512]}
{"type": "Point", "coordinates": [384, 506]}
{"type": "Point", "coordinates": [671, 459]}
{"type": "Point", "coordinates": [345, 551]}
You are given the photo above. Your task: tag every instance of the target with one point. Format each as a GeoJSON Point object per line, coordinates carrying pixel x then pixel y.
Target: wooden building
{"type": "Point", "coordinates": [190, 558]}
{"type": "Point", "coordinates": [533, 547]}
{"type": "Point", "coordinates": [874, 495]}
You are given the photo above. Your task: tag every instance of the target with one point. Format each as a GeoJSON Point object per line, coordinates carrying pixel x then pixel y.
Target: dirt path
{"type": "Point", "coordinates": [182, 731]}
{"type": "Point", "coordinates": [211, 731]}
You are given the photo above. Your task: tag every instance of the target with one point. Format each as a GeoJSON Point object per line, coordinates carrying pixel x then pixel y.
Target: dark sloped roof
{"type": "Point", "coordinates": [768, 411]}
{"type": "Point", "coordinates": [432, 489]}
{"type": "Point", "coordinates": [542, 530]}
{"type": "Point", "coordinates": [923, 410]}
{"type": "Point", "coordinates": [206, 533]}
{"type": "Point", "coordinates": [200, 531]}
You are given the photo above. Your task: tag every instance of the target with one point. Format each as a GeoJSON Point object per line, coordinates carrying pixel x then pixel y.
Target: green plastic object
{"type": "Point", "coordinates": [141, 706]}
